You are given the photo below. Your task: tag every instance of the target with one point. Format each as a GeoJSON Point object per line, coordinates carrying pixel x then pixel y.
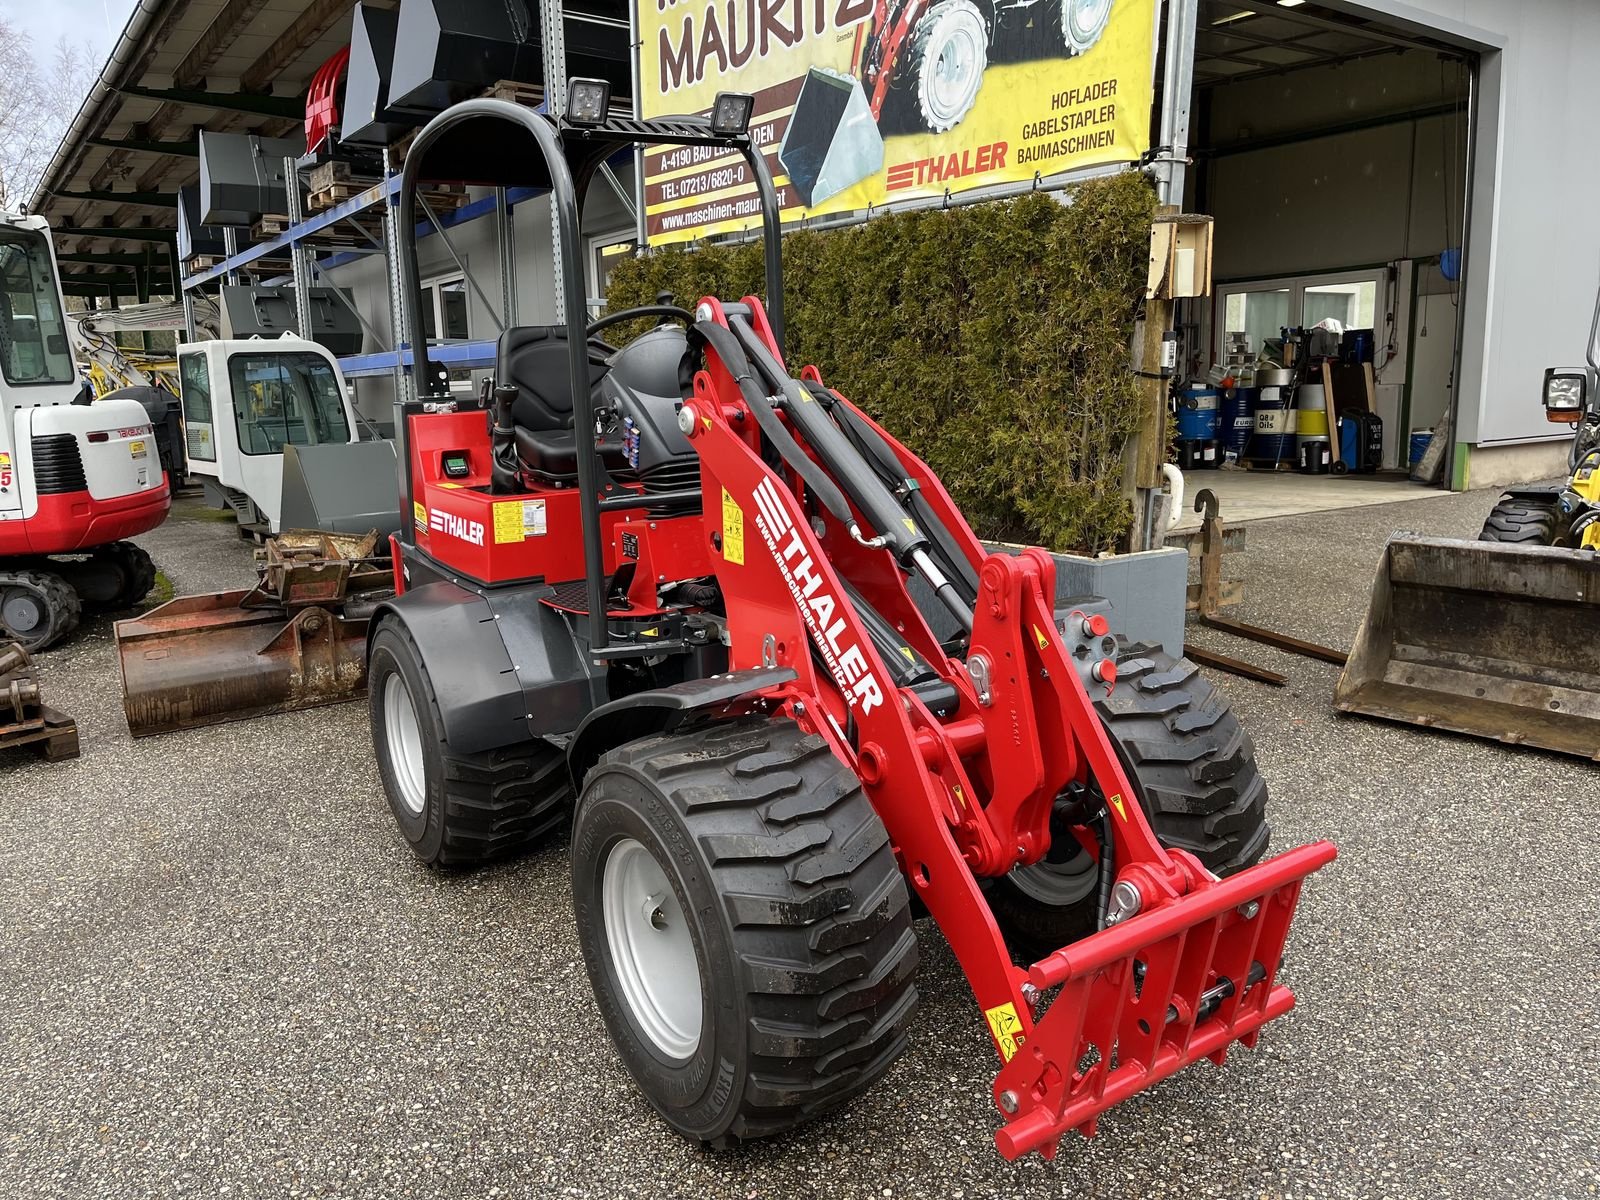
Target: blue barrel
{"type": "Point", "coordinates": [1197, 415]}
{"type": "Point", "coordinates": [1237, 419]}
{"type": "Point", "coordinates": [1273, 438]}
{"type": "Point", "coordinates": [1420, 440]}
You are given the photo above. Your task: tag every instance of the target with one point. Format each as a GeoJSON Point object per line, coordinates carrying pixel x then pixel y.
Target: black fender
{"type": "Point", "coordinates": [662, 710]}
{"type": "Point", "coordinates": [1551, 494]}
{"type": "Point", "coordinates": [455, 631]}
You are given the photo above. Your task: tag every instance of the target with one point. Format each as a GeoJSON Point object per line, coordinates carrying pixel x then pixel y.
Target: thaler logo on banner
{"type": "Point", "coordinates": [943, 168]}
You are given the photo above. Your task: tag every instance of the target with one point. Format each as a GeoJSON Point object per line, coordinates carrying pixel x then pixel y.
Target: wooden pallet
{"type": "Point", "coordinates": [325, 175]}
{"type": "Point", "coordinates": [337, 193]}
{"type": "Point", "coordinates": [1267, 464]}
{"type": "Point", "coordinates": [529, 94]}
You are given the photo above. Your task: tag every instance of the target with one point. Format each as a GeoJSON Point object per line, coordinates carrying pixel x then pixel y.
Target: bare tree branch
{"type": "Point", "coordinates": [38, 100]}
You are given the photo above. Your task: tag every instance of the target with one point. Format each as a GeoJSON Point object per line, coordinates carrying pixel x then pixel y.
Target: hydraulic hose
{"type": "Point", "coordinates": [738, 365]}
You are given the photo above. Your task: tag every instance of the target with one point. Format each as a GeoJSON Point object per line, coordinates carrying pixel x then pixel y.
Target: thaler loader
{"type": "Point", "coordinates": [705, 612]}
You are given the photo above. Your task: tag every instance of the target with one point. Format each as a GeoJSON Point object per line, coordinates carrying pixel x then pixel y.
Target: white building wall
{"type": "Point", "coordinates": [1534, 255]}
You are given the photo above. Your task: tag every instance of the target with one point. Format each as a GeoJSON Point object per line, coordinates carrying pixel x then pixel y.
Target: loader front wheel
{"type": "Point", "coordinates": [1522, 520]}
{"type": "Point", "coordinates": [454, 809]}
{"type": "Point", "coordinates": [1193, 768]}
{"type": "Point", "coordinates": [745, 926]}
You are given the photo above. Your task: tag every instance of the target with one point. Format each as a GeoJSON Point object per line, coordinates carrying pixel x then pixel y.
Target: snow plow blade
{"type": "Point", "coordinates": [296, 640]}
{"type": "Point", "coordinates": [1483, 638]}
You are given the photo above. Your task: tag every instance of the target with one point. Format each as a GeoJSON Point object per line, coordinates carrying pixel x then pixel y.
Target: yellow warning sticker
{"type": "Point", "coordinates": [451, 484]}
{"type": "Point", "coordinates": [1007, 1029]}
{"type": "Point", "coordinates": [508, 525]}
{"type": "Point", "coordinates": [910, 654]}
{"type": "Point", "coordinates": [732, 529]}
{"type": "Point", "coordinates": [1116, 803]}
{"type": "Point", "coordinates": [1039, 633]}
{"type": "Point", "coordinates": [419, 515]}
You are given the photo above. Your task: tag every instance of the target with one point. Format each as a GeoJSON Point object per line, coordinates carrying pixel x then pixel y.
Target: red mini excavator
{"type": "Point", "coordinates": [703, 610]}
{"type": "Point", "coordinates": [75, 478]}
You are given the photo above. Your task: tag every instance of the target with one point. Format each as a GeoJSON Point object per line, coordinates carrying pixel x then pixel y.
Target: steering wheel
{"type": "Point", "coordinates": [634, 314]}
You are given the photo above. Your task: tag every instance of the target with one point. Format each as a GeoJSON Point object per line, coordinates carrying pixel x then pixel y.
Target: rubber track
{"type": "Point", "coordinates": [1192, 758]}
{"type": "Point", "coordinates": [819, 914]}
{"type": "Point", "coordinates": [62, 601]}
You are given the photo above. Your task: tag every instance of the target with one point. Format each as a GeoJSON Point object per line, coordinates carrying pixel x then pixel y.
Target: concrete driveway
{"type": "Point", "coordinates": [222, 973]}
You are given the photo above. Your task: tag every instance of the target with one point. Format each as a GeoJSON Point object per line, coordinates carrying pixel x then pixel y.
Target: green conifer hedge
{"type": "Point", "coordinates": [993, 339]}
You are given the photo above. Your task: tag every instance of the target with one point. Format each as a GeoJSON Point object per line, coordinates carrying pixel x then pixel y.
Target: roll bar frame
{"type": "Point", "coordinates": [562, 146]}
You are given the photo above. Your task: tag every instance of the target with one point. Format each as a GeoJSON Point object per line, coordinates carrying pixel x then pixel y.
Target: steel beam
{"type": "Point", "coordinates": [256, 103]}
{"type": "Point", "coordinates": [114, 233]}
{"type": "Point", "coordinates": [150, 146]}
{"type": "Point", "coordinates": [148, 199]}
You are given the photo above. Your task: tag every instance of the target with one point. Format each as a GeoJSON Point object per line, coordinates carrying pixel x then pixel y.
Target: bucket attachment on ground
{"type": "Point", "coordinates": [832, 142]}
{"type": "Point", "coordinates": [25, 719]}
{"type": "Point", "coordinates": [295, 640]}
{"type": "Point", "coordinates": [1494, 640]}
{"type": "Point", "coordinates": [346, 487]}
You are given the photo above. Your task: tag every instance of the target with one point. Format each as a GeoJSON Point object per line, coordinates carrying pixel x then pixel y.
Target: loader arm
{"type": "Point", "coordinates": [814, 553]}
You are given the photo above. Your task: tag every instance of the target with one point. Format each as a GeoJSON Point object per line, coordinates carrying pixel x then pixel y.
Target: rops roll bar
{"type": "Point", "coordinates": [469, 143]}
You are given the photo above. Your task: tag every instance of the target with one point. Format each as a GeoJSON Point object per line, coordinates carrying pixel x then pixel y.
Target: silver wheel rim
{"type": "Point", "coordinates": [22, 613]}
{"type": "Point", "coordinates": [652, 950]}
{"type": "Point", "coordinates": [958, 52]}
{"type": "Point", "coordinates": [1083, 21]}
{"type": "Point", "coordinates": [1059, 884]}
{"type": "Point", "coordinates": [404, 739]}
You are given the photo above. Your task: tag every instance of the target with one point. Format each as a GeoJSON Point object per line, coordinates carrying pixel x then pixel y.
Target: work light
{"type": "Point", "coordinates": [730, 113]}
{"type": "Point", "coordinates": [1564, 394]}
{"type": "Point", "coordinates": [588, 101]}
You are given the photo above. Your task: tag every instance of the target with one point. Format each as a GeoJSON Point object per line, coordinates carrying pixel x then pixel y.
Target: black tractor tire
{"type": "Point", "coordinates": [454, 809]}
{"type": "Point", "coordinates": [1194, 773]}
{"type": "Point", "coordinates": [37, 608]}
{"type": "Point", "coordinates": [776, 878]}
{"type": "Point", "coordinates": [138, 571]}
{"type": "Point", "coordinates": [1522, 520]}
{"type": "Point", "coordinates": [909, 105]}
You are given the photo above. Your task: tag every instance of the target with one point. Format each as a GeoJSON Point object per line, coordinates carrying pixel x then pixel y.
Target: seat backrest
{"type": "Point", "coordinates": [534, 359]}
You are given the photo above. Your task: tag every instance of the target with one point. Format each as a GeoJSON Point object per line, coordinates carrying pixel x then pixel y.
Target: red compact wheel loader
{"type": "Point", "coordinates": [75, 479]}
{"type": "Point", "coordinates": [707, 613]}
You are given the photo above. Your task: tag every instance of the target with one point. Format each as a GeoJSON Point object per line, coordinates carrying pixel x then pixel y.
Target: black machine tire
{"type": "Point", "coordinates": [45, 599]}
{"type": "Point", "coordinates": [1193, 768]}
{"type": "Point", "coordinates": [112, 577]}
{"type": "Point", "coordinates": [910, 103]}
{"type": "Point", "coordinates": [798, 932]}
{"type": "Point", "coordinates": [1522, 520]}
{"type": "Point", "coordinates": [454, 809]}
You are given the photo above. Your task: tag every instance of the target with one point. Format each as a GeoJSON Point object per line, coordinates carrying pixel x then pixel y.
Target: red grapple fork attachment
{"type": "Point", "coordinates": [1141, 1000]}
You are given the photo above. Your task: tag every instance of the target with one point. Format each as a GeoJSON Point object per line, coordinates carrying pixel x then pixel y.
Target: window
{"type": "Point", "coordinates": [285, 400]}
{"type": "Point", "coordinates": [1262, 310]}
{"type": "Point", "coordinates": [605, 252]}
{"type": "Point", "coordinates": [194, 383]}
{"type": "Point", "coordinates": [444, 307]}
{"type": "Point", "coordinates": [33, 336]}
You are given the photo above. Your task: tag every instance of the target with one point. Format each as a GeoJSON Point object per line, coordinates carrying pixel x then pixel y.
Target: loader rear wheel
{"type": "Point", "coordinates": [454, 809]}
{"type": "Point", "coordinates": [1523, 520]}
{"type": "Point", "coordinates": [37, 608]}
{"type": "Point", "coordinates": [745, 926]}
{"type": "Point", "coordinates": [1193, 768]}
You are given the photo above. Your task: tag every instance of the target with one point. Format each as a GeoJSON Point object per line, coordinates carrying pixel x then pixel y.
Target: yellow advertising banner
{"type": "Point", "coordinates": [859, 103]}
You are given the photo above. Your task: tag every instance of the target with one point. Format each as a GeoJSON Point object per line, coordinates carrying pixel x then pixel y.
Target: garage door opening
{"type": "Point", "coordinates": [1333, 153]}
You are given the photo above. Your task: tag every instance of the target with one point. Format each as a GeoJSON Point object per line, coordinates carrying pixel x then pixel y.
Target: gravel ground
{"type": "Point", "coordinates": [222, 974]}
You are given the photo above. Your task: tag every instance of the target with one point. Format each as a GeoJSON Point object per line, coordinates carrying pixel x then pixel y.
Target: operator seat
{"type": "Point", "coordinates": [533, 359]}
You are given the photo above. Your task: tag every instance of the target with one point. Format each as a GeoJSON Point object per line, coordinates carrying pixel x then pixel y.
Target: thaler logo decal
{"type": "Point", "coordinates": [818, 605]}
{"type": "Point", "coordinates": [468, 531]}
